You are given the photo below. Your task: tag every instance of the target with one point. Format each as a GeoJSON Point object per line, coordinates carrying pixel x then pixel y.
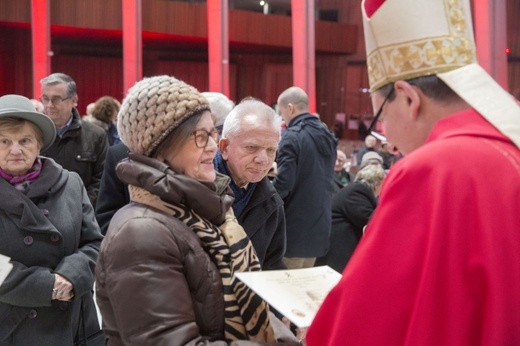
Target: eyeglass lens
{"type": "Point", "coordinates": [55, 100]}
{"type": "Point", "coordinates": [202, 137]}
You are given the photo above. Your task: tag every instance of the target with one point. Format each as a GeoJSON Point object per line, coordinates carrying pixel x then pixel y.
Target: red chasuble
{"type": "Point", "coordinates": [440, 261]}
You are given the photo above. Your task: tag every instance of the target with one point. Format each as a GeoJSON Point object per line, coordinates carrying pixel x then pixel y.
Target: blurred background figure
{"type": "Point", "coordinates": [89, 109]}
{"type": "Point", "coordinates": [341, 176]}
{"type": "Point", "coordinates": [372, 157]}
{"type": "Point", "coordinates": [369, 145]}
{"type": "Point", "coordinates": [49, 231]}
{"type": "Point", "coordinates": [104, 115]}
{"type": "Point", "coordinates": [389, 153]}
{"type": "Point", "coordinates": [220, 107]}
{"type": "Point", "coordinates": [37, 105]}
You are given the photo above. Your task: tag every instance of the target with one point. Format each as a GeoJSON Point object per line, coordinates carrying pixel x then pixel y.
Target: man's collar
{"type": "Point", "coordinates": [62, 130]}
{"type": "Point", "coordinates": [299, 118]}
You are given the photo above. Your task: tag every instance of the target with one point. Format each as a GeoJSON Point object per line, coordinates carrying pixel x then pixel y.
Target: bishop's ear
{"type": "Point", "coordinates": [411, 95]}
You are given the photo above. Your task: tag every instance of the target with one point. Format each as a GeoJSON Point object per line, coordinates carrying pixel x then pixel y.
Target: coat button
{"type": "Point", "coordinates": [33, 314]}
{"type": "Point", "coordinates": [28, 240]}
{"type": "Point", "coordinates": [64, 306]}
{"type": "Point", "coordinates": [55, 238]}
{"type": "Point", "coordinates": [45, 212]}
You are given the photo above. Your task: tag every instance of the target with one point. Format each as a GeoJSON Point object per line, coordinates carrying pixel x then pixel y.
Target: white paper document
{"type": "Point", "coordinates": [295, 293]}
{"type": "Point", "coordinates": [5, 267]}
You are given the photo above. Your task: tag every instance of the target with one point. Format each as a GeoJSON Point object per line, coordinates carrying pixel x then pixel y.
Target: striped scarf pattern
{"type": "Point", "coordinates": [245, 313]}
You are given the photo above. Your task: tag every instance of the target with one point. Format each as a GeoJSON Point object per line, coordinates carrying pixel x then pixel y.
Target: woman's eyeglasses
{"type": "Point", "coordinates": [378, 114]}
{"type": "Point", "coordinates": [202, 137]}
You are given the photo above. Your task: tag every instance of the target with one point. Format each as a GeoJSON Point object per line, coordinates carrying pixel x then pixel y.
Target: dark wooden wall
{"type": "Point", "coordinates": [86, 43]}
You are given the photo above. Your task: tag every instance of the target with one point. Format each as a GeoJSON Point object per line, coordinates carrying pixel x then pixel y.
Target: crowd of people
{"type": "Point", "coordinates": [161, 218]}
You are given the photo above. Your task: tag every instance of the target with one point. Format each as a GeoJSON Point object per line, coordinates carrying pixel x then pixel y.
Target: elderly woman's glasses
{"type": "Point", "coordinates": [202, 137]}
{"type": "Point", "coordinates": [56, 101]}
{"type": "Point", "coordinates": [378, 114]}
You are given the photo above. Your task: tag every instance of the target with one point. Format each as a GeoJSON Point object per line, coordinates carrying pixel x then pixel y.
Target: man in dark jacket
{"type": "Point", "coordinates": [79, 146]}
{"type": "Point", "coordinates": [306, 160]}
{"type": "Point", "coordinates": [248, 147]}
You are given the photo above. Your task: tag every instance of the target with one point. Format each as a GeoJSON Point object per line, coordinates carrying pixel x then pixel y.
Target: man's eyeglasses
{"type": "Point", "coordinates": [56, 101]}
{"type": "Point", "coordinates": [378, 114]}
{"type": "Point", "coordinates": [202, 137]}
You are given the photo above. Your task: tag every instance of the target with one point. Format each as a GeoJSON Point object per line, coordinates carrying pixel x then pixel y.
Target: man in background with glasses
{"type": "Point", "coordinates": [79, 146]}
{"type": "Point", "coordinates": [439, 262]}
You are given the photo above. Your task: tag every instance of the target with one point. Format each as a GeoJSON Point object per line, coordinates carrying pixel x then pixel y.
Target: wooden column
{"type": "Point", "coordinates": [491, 37]}
{"type": "Point", "coordinates": [218, 46]}
{"type": "Point", "coordinates": [132, 43]}
{"type": "Point", "coordinates": [304, 70]}
{"type": "Point", "coordinates": [41, 47]}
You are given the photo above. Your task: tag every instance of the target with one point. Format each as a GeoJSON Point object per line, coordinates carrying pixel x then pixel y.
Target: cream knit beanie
{"type": "Point", "coordinates": [153, 108]}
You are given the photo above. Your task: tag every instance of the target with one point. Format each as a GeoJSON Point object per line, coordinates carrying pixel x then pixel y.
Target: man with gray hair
{"type": "Point", "coordinates": [79, 146]}
{"type": "Point", "coordinates": [248, 148]}
{"type": "Point", "coordinates": [305, 179]}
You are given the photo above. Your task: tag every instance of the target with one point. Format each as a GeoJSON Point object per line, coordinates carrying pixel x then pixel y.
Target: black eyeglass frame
{"type": "Point", "coordinates": [378, 114]}
{"type": "Point", "coordinates": [213, 134]}
{"type": "Point", "coordinates": [53, 100]}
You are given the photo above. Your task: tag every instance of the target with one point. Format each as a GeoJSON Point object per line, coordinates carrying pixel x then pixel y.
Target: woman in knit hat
{"type": "Point", "coordinates": [165, 274]}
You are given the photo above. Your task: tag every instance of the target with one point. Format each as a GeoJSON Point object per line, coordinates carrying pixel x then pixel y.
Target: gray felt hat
{"type": "Point", "coordinates": [16, 106]}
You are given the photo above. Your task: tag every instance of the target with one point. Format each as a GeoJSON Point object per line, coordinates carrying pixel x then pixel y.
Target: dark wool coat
{"type": "Point", "coordinates": [306, 159]}
{"type": "Point", "coordinates": [352, 208]}
{"type": "Point", "coordinates": [113, 194]}
{"type": "Point", "coordinates": [55, 233]}
{"type": "Point", "coordinates": [82, 149]}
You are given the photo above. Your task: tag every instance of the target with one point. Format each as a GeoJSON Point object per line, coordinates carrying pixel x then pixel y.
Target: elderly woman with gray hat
{"type": "Point", "coordinates": [48, 229]}
{"type": "Point", "coordinates": [165, 274]}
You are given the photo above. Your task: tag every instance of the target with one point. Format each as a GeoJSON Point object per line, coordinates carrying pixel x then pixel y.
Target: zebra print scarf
{"type": "Point", "coordinates": [246, 315]}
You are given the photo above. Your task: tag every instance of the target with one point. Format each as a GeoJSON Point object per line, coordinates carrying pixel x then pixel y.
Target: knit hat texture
{"type": "Point", "coordinates": [153, 108]}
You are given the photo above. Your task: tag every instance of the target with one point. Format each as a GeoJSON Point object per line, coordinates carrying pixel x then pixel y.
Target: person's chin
{"type": "Point", "coordinates": [255, 178]}
{"type": "Point", "coordinates": [208, 176]}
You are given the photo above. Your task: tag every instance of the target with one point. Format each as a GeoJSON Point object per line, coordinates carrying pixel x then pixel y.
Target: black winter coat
{"type": "Point", "coordinates": [352, 208]}
{"type": "Point", "coordinates": [263, 219]}
{"type": "Point", "coordinates": [113, 194]}
{"type": "Point", "coordinates": [82, 149]}
{"type": "Point", "coordinates": [306, 159]}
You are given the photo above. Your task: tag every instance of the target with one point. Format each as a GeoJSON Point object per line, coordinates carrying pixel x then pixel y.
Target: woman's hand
{"type": "Point", "coordinates": [63, 289]}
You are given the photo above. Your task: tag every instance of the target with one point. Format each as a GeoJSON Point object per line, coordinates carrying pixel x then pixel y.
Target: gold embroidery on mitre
{"type": "Point", "coordinates": [425, 56]}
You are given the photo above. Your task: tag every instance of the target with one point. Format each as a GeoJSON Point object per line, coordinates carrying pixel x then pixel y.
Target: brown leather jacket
{"type": "Point", "coordinates": [155, 283]}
